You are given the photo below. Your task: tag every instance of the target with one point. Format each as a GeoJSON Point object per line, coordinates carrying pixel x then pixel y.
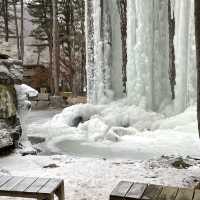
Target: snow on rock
{"type": "Point", "coordinates": [26, 90]}
{"type": "Point", "coordinates": [69, 114]}
{"type": "Point", "coordinates": [23, 93]}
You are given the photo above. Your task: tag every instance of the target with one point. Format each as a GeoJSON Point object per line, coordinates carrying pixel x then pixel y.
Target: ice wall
{"type": "Point", "coordinates": [148, 52]}
{"type": "Point", "coordinates": [185, 55]}
{"type": "Point", "coordinates": [148, 84]}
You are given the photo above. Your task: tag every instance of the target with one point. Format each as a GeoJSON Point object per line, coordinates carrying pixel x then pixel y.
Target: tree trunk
{"type": "Point", "coordinates": [122, 4]}
{"type": "Point", "coordinates": [172, 67]}
{"type": "Point", "coordinates": [5, 17]}
{"type": "Point", "coordinates": [55, 49]}
{"type": "Point", "coordinates": [197, 34]}
{"type": "Point", "coordinates": [22, 30]}
{"type": "Point", "coordinates": [16, 29]}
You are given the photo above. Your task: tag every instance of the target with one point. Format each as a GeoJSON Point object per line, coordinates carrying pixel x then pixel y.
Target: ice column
{"type": "Point", "coordinates": [148, 50]}
{"type": "Point", "coordinates": [185, 55]}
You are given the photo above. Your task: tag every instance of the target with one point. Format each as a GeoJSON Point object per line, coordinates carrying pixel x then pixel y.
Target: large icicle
{"type": "Point", "coordinates": [185, 55]}
{"type": "Point", "coordinates": [104, 54]}
{"type": "Point", "coordinates": [90, 65]}
{"type": "Point", "coordinates": [148, 48]}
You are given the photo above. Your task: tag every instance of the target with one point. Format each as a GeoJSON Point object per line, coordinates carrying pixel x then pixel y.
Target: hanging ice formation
{"type": "Point", "coordinates": [104, 54]}
{"type": "Point", "coordinates": [148, 83]}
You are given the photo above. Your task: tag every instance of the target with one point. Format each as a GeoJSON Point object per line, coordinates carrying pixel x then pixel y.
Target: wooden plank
{"type": "Point", "coordinates": [151, 192]}
{"type": "Point", "coordinates": [136, 191]}
{"type": "Point", "coordinates": [185, 194]}
{"type": "Point", "coordinates": [120, 190]}
{"type": "Point", "coordinates": [168, 193]}
{"type": "Point", "coordinates": [51, 186]}
{"type": "Point", "coordinates": [4, 179]}
{"type": "Point", "coordinates": [60, 192]}
{"type": "Point", "coordinates": [197, 195]}
{"type": "Point", "coordinates": [11, 183]}
{"type": "Point", "coordinates": [23, 185]}
{"type": "Point", "coordinates": [37, 185]}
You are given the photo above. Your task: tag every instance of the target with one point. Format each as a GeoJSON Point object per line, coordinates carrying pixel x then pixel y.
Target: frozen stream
{"type": "Point", "coordinates": [75, 144]}
{"type": "Point", "coordinates": [172, 136]}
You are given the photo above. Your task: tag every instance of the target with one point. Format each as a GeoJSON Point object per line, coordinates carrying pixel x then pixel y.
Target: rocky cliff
{"type": "Point", "coordinates": [11, 73]}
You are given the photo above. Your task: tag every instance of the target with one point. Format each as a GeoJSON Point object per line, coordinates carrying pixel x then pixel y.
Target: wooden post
{"type": "Point", "coordinates": [60, 191]}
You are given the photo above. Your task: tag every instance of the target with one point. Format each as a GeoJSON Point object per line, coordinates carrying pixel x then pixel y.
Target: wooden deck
{"type": "Point", "coordinates": [135, 191]}
{"type": "Point", "coordinates": [26, 187]}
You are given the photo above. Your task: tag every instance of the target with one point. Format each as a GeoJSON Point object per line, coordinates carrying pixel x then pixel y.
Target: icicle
{"type": "Point", "coordinates": [185, 55]}
{"type": "Point", "coordinates": [148, 48]}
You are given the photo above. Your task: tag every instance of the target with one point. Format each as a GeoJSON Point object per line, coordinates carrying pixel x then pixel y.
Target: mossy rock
{"type": "Point", "coordinates": [7, 101]}
{"type": "Point", "coordinates": [179, 163]}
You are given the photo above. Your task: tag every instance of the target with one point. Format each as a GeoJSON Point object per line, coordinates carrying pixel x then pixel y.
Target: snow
{"type": "Point", "coordinates": [119, 130]}
{"type": "Point", "coordinates": [92, 179]}
{"type": "Point", "coordinates": [26, 90]}
{"type": "Point", "coordinates": [123, 139]}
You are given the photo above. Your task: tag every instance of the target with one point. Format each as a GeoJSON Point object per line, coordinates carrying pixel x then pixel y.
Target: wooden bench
{"type": "Point", "coordinates": [26, 187]}
{"type": "Point", "coordinates": [134, 191]}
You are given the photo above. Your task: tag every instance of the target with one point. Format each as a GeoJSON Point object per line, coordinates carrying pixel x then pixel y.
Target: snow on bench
{"type": "Point", "coordinates": [134, 191]}
{"type": "Point", "coordinates": [26, 187]}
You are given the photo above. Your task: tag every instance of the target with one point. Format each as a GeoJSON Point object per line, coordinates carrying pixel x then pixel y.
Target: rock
{"type": "Point", "coordinates": [76, 121]}
{"type": "Point", "coordinates": [57, 102]}
{"type": "Point", "coordinates": [51, 166]}
{"type": "Point", "coordinates": [36, 139]}
{"type": "Point", "coordinates": [3, 56]}
{"type": "Point", "coordinates": [7, 101]}
{"type": "Point", "coordinates": [11, 72]}
{"type": "Point", "coordinates": [179, 163]}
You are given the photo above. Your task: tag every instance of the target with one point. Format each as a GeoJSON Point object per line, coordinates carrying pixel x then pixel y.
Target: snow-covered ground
{"type": "Point", "coordinates": [112, 143]}
{"type": "Point", "coordinates": [94, 179]}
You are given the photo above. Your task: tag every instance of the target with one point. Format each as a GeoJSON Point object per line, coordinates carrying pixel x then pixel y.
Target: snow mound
{"type": "Point", "coordinates": [102, 122]}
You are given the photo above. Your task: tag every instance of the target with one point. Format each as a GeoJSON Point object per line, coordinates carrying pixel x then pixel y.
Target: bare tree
{"type": "Point", "coordinates": [22, 30]}
{"type": "Point", "coordinates": [122, 5]}
{"type": "Point", "coordinates": [6, 18]}
{"type": "Point", "coordinates": [55, 49]}
{"type": "Point", "coordinates": [16, 28]}
{"type": "Point", "coordinates": [172, 67]}
{"type": "Point", "coordinates": [197, 34]}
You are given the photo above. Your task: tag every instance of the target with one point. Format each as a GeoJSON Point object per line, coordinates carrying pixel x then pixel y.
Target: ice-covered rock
{"type": "Point", "coordinates": [11, 72]}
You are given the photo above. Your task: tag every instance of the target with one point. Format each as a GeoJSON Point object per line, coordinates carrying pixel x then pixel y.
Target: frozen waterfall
{"type": "Point", "coordinates": [148, 84]}
{"type": "Point", "coordinates": [104, 51]}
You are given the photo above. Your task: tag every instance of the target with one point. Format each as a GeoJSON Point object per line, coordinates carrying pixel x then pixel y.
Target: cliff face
{"type": "Point", "coordinates": [11, 73]}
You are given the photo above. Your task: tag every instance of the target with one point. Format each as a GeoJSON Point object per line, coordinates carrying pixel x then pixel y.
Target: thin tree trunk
{"type": "Point", "coordinates": [17, 30]}
{"type": "Point", "coordinates": [172, 67]}
{"type": "Point", "coordinates": [22, 30]}
{"type": "Point", "coordinates": [55, 48]}
{"type": "Point", "coordinates": [197, 34]}
{"type": "Point", "coordinates": [122, 4]}
{"type": "Point", "coordinates": [5, 16]}
{"type": "Point", "coordinates": [51, 82]}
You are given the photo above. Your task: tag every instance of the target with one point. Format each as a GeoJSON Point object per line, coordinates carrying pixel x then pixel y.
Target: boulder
{"type": "Point", "coordinates": [11, 73]}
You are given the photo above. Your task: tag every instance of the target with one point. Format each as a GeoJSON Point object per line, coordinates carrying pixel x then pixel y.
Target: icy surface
{"type": "Point", "coordinates": [118, 130]}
